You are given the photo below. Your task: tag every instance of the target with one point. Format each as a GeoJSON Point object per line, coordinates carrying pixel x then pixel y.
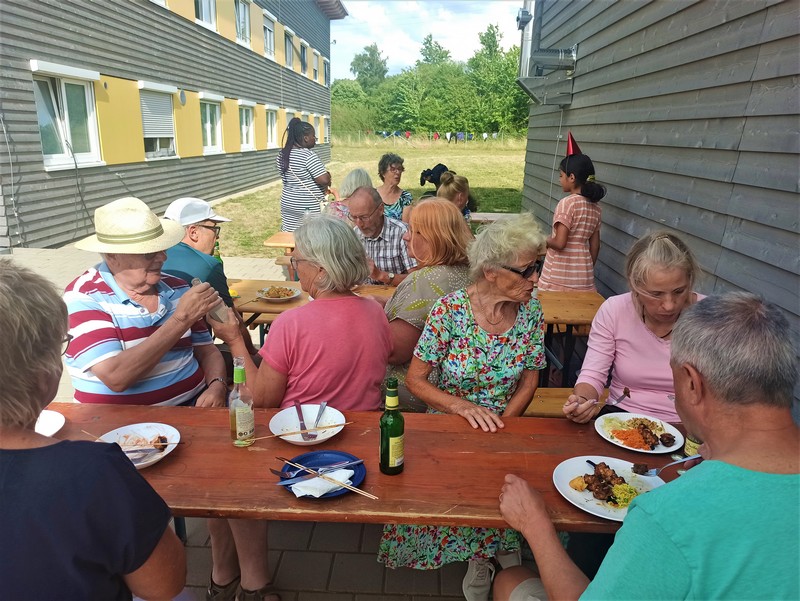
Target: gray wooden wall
{"type": "Point", "coordinates": [133, 39]}
{"type": "Point", "coordinates": [690, 111]}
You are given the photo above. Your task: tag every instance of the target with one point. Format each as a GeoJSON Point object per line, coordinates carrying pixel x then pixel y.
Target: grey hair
{"type": "Point", "coordinates": [503, 242]}
{"type": "Point", "coordinates": [658, 250]}
{"type": "Point", "coordinates": [334, 246]}
{"type": "Point", "coordinates": [33, 320]}
{"type": "Point", "coordinates": [357, 178]}
{"type": "Point", "coordinates": [741, 346]}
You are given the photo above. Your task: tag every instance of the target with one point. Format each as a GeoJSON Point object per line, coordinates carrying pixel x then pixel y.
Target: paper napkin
{"type": "Point", "coordinates": [316, 487]}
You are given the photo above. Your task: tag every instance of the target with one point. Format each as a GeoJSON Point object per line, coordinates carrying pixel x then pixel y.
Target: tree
{"type": "Point", "coordinates": [369, 67]}
{"type": "Point", "coordinates": [348, 92]}
{"type": "Point", "coordinates": [433, 53]}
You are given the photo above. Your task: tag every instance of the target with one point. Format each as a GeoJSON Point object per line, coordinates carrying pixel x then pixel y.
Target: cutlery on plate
{"type": "Point", "coordinates": [626, 393]}
{"type": "Point", "coordinates": [328, 478]}
{"type": "Point", "coordinates": [322, 470]}
{"type": "Point", "coordinates": [657, 471]}
{"type": "Point", "coordinates": [303, 428]}
{"type": "Point", "coordinates": [312, 436]}
{"type": "Point", "coordinates": [293, 473]}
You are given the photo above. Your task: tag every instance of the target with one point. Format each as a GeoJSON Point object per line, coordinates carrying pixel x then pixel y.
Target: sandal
{"type": "Point", "coordinates": [267, 589]}
{"type": "Point", "coordinates": [215, 592]}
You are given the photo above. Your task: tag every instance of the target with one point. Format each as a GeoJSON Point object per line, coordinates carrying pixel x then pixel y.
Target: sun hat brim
{"type": "Point", "coordinates": [171, 233]}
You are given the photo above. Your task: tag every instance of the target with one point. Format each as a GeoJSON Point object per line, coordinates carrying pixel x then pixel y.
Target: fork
{"type": "Point", "coordinates": [656, 472]}
{"type": "Point", "coordinates": [320, 411]}
{"type": "Point", "coordinates": [626, 393]}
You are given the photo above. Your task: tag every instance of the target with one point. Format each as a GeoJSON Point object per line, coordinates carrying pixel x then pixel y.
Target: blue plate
{"type": "Point", "coordinates": [317, 459]}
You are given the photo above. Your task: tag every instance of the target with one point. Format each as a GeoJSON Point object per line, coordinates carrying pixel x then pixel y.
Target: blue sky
{"type": "Point", "coordinates": [399, 26]}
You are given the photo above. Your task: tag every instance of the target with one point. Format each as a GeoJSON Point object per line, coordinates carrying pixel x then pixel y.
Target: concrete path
{"type": "Point", "coordinates": [310, 561]}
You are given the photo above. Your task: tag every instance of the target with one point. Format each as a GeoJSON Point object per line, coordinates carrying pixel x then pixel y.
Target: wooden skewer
{"type": "Point", "coordinates": [148, 445]}
{"type": "Point", "coordinates": [328, 478]}
{"type": "Point", "coordinates": [301, 431]}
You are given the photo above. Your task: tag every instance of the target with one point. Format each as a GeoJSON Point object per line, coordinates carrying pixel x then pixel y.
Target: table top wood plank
{"type": "Point", "coordinates": [248, 301]}
{"type": "Point", "coordinates": [453, 473]}
{"type": "Point", "coordinates": [570, 308]}
{"type": "Point", "coordinates": [283, 240]}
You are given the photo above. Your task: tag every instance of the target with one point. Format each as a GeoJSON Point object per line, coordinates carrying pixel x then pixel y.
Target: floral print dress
{"type": "Point", "coordinates": [395, 211]}
{"type": "Point", "coordinates": [484, 369]}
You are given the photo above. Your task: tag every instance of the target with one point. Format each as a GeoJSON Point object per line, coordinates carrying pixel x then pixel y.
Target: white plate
{"type": "Point", "coordinates": [49, 422]}
{"type": "Point", "coordinates": [577, 466]}
{"type": "Point", "coordinates": [126, 436]}
{"type": "Point", "coordinates": [603, 429]}
{"type": "Point", "coordinates": [287, 421]}
{"type": "Point", "coordinates": [279, 300]}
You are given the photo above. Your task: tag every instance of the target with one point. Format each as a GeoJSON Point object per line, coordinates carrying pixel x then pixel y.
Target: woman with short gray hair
{"type": "Point", "coordinates": [298, 362]}
{"type": "Point", "coordinates": [357, 178]}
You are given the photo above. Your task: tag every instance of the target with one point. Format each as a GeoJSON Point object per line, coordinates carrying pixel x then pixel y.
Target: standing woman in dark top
{"type": "Point", "coordinates": [305, 179]}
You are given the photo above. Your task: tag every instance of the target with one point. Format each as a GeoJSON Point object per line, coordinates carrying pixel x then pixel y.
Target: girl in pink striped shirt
{"type": "Point", "coordinates": [573, 246]}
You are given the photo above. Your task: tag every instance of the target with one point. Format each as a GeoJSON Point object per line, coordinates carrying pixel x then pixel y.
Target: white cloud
{"type": "Point", "coordinates": [398, 28]}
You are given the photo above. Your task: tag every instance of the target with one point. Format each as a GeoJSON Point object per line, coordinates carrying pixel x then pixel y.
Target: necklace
{"type": "Point", "coordinates": [483, 310]}
{"type": "Point", "coordinates": [644, 321]}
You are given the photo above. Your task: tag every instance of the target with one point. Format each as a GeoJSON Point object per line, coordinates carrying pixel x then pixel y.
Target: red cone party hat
{"type": "Point", "coordinates": [572, 145]}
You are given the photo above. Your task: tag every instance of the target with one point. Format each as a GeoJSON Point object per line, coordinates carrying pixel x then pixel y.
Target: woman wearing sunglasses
{"type": "Point", "coordinates": [485, 343]}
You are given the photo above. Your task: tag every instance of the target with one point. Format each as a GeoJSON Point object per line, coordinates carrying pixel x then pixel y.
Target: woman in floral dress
{"type": "Point", "coordinates": [486, 343]}
{"type": "Point", "coordinates": [396, 201]}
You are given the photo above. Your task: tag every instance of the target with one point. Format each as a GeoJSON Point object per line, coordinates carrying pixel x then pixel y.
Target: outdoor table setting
{"type": "Point", "coordinates": [453, 474]}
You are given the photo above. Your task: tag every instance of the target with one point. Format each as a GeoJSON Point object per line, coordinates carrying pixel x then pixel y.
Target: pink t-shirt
{"type": "Point", "coordinates": [333, 350]}
{"type": "Point", "coordinates": [640, 360]}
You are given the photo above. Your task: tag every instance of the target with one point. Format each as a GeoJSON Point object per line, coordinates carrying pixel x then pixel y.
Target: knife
{"type": "Point", "coordinates": [299, 410]}
{"type": "Point", "coordinates": [322, 470]}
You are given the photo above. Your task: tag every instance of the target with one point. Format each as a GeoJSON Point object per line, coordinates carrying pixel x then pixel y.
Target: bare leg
{"type": "Point", "coordinates": [225, 562]}
{"type": "Point", "coordinates": [509, 579]}
{"type": "Point", "coordinates": [251, 546]}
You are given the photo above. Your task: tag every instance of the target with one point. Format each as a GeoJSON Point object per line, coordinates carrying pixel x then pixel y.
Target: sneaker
{"type": "Point", "coordinates": [478, 580]}
{"type": "Point", "coordinates": [508, 559]}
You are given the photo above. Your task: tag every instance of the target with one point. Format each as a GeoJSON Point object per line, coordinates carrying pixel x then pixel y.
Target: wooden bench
{"type": "Point", "coordinates": [488, 217]}
{"type": "Point", "coordinates": [547, 402]}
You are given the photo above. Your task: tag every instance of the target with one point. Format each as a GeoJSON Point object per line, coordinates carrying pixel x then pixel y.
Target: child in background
{"type": "Point", "coordinates": [573, 246]}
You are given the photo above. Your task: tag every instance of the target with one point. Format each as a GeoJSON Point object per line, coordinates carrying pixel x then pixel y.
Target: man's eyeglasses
{"type": "Point", "coordinates": [535, 267]}
{"type": "Point", "coordinates": [65, 344]}
{"type": "Point", "coordinates": [214, 228]}
{"type": "Point", "coordinates": [363, 218]}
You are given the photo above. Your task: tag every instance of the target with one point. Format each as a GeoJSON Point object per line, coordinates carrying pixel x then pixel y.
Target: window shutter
{"type": "Point", "coordinates": [157, 114]}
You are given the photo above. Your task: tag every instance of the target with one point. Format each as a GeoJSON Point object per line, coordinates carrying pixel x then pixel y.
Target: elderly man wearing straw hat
{"type": "Point", "coordinates": [138, 336]}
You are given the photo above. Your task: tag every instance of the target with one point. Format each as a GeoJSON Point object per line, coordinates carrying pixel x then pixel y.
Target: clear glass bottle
{"type": "Point", "coordinates": [392, 425]}
{"type": "Point", "coordinates": [240, 404]}
{"type": "Point", "coordinates": [216, 254]}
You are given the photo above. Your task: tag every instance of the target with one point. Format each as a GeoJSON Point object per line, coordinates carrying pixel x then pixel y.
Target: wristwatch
{"type": "Point", "coordinates": [391, 277]}
{"type": "Point", "coordinates": [218, 379]}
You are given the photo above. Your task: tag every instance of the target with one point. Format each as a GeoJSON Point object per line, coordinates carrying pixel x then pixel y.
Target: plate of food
{"type": "Point", "coordinates": [286, 421]}
{"type": "Point", "coordinates": [278, 294]}
{"type": "Point", "coordinates": [639, 432]}
{"type": "Point", "coordinates": [320, 459]}
{"type": "Point", "coordinates": [49, 422]}
{"type": "Point", "coordinates": [605, 490]}
{"type": "Point", "coordinates": [146, 443]}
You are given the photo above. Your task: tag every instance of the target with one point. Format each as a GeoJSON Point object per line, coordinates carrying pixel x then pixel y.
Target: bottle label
{"type": "Point", "coordinates": [392, 402]}
{"type": "Point", "coordinates": [691, 446]}
{"type": "Point", "coordinates": [396, 451]}
{"type": "Point", "coordinates": [245, 423]}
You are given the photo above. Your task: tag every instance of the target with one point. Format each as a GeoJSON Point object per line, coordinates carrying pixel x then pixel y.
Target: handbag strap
{"type": "Point", "coordinates": [302, 183]}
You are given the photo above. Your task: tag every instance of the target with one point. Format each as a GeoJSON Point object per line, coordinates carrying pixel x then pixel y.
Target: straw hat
{"type": "Point", "coordinates": [127, 226]}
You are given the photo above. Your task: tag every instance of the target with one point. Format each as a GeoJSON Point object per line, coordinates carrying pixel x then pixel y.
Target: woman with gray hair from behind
{"type": "Point", "coordinates": [77, 507]}
{"type": "Point", "coordinates": [357, 178]}
{"type": "Point", "coordinates": [329, 260]}
{"type": "Point", "coordinates": [486, 343]}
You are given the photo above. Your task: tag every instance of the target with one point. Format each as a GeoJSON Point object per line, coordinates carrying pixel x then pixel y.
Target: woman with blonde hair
{"type": "Point", "coordinates": [455, 188]}
{"type": "Point", "coordinates": [631, 333]}
{"type": "Point", "coordinates": [437, 238]}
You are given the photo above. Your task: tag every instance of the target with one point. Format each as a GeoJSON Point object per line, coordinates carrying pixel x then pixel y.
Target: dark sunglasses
{"type": "Point", "coordinates": [535, 267]}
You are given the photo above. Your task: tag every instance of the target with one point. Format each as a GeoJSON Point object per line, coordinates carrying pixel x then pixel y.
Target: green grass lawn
{"type": "Point", "coordinates": [495, 171]}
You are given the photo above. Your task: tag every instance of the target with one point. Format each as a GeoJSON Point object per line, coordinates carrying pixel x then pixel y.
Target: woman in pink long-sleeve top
{"type": "Point", "coordinates": [631, 333]}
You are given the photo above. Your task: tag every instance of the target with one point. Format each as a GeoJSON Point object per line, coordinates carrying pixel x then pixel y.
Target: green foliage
{"type": "Point", "coordinates": [437, 94]}
{"type": "Point", "coordinates": [369, 67]}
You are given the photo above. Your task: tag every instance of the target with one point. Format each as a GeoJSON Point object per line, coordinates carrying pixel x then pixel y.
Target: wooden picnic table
{"type": "Point", "coordinates": [284, 240]}
{"type": "Point", "coordinates": [452, 477]}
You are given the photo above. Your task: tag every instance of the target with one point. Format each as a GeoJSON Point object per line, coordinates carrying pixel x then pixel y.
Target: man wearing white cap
{"type": "Point", "coordinates": [191, 257]}
{"type": "Point", "coordinates": [137, 335]}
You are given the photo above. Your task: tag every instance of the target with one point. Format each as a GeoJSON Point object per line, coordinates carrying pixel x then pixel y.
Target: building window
{"type": "Point", "coordinates": [67, 122]}
{"type": "Point", "coordinates": [205, 11]}
{"type": "Point", "coordinates": [269, 37]}
{"type": "Point", "coordinates": [316, 67]}
{"type": "Point", "coordinates": [272, 129]}
{"type": "Point", "coordinates": [303, 59]}
{"type": "Point", "coordinates": [287, 42]}
{"type": "Point", "coordinates": [242, 21]}
{"type": "Point", "coordinates": [246, 127]}
{"type": "Point", "coordinates": [327, 130]}
{"type": "Point", "coordinates": [316, 126]}
{"type": "Point", "coordinates": [212, 129]}
{"type": "Point", "coordinates": [327, 67]}
{"type": "Point", "coordinates": [158, 125]}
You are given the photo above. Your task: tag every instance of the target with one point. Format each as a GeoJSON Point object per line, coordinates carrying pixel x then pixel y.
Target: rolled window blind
{"type": "Point", "coordinates": [157, 114]}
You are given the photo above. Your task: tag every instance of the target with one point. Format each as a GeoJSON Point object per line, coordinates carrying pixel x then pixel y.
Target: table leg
{"type": "Point", "coordinates": [289, 269]}
{"type": "Point", "coordinates": [569, 350]}
{"type": "Point", "coordinates": [548, 340]}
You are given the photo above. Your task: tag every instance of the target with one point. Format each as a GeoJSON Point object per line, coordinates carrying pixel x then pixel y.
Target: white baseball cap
{"type": "Point", "coordinates": [188, 211]}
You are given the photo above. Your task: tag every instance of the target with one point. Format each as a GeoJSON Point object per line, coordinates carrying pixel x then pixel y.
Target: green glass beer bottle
{"type": "Point", "coordinates": [392, 432]}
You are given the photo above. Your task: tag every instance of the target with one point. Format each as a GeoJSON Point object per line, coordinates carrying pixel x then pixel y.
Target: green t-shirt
{"type": "Point", "coordinates": [717, 532]}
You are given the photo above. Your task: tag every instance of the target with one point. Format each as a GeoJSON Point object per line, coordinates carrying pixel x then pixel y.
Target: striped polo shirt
{"type": "Point", "coordinates": [300, 192]}
{"type": "Point", "coordinates": [104, 321]}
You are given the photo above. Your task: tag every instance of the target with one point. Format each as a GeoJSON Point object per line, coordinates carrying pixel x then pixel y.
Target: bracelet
{"type": "Point", "coordinates": [218, 379]}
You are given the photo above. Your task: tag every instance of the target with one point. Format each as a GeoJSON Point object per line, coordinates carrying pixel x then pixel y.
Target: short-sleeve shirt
{"type": "Point", "coordinates": [186, 262]}
{"type": "Point", "coordinates": [76, 517]}
{"type": "Point", "coordinates": [300, 192]}
{"type": "Point", "coordinates": [332, 349]}
{"type": "Point", "coordinates": [571, 268]}
{"type": "Point", "coordinates": [388, 250]}
{"type": "Point", "coordinates": [474, 364]}
{"type": "Point", "coordinates": [395, 211]}
{"type": "Point", "coordinates": [104, 321]}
